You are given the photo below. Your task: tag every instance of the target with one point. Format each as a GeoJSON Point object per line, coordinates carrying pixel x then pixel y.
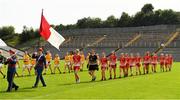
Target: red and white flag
{"type": "Point", "coordinates": [49, 34]}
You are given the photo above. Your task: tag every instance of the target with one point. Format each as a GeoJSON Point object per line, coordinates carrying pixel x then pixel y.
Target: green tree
{"type": "Point", "coordinates": [157, 17]}
{"type": "Point", "coordinates": [7, 30]}
{"type": "Point", "coordinates": [169, 17]}
{"type": "Point", "coordinates": [28, 34]}
{"type": "Point", "coordinates": [111, 21]}
{"type": "Point", "coordinates": [89, 23]}
{"type": "Point", "coordinates": [138, 19]}
{"type": "Point", "coordinates": [147, 8]}
{"type": "Point", "coordinates": [125, 20]}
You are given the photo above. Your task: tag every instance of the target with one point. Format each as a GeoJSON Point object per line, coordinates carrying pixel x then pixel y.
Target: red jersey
{"type": "Point", "coordinates": [170, 59]}
{"type": "Point", "coordinates": [104, 61]}
{"type": "Point", "coordinates": [166, 60]}
{"type": "Point", "coordinates": [137, 60]}
{"type": "Point", "coordinates": [77, 60]}
{"type": "Point", "coordinates": [162, 59]}
{"type": "Point", "coordinates": [146, 59]}
{"type": "Point", "coordinates": [131, 60]}
{"type": "Point", "coordinates": [127, 59]}
{"type": "Point", "coordinates": [122, 61]}
{"type": "Point", "coordinates": [154, 59]}
{"type": "Point", "coordinates": [113, 59]}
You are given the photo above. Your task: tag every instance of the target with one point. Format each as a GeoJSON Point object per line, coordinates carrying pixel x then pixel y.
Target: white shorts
{"type": "Point", "coordinates": [27, 66]}
{"type": "Point", "coordinates": [1, 65]}
{"type": "Point", "coordinates": [68, 63]}
{"type": "Point", "coordinates": [56, 65]}
{"type": "Point", "coordinates": [31, 65]}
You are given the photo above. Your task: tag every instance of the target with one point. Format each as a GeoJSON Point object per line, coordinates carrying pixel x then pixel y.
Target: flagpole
{"type": "Point", "coordinates": [39, 42]}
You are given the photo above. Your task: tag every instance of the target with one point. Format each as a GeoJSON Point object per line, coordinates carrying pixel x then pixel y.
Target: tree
{"type": "Point", "coordinates": [158, 17]}
{"type": "Point", "coordinates": [147, 8]}
{"type": "Point", "coordinates": [7, 30]}
{"type": "Point", "coordinates": [111, 21]}
{"type": "Point", "coordinates": [169, 17]}
{"type": "Point", "coordinates": [81, 23]}
{"type": "Point", "coordinates": [59, 27]}
{"type": "Point", "coordinates": [125, 20]}
{"type": "Point", "coordinates": [89, 23]}
{"type": "Point", "coordinates": [138, 19]}
{"type": "Point", "coordinates": [28, 34]}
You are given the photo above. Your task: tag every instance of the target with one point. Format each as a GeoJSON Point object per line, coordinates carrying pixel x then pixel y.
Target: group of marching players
{"type": "Point", "coordinates": [74, 62]}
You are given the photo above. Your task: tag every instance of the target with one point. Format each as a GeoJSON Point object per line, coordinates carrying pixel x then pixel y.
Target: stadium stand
{"type": "Point", "coordinates": [149, 38]}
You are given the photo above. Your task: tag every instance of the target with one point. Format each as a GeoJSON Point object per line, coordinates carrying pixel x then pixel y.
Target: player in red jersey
{"type": "Point", "coordinates": [162, 62]}
{"type": "Point", "coordinates": [127, 64]}
{"type": "Point", "coordinates": [170, 61]}
{"type": "Point", "coordinates": [146, 62]}
{"type": "Point", "coordinates": [122, 65]}
{"type": "Point", "coordinates": [166, 62]}
{"type": "Point", "coordinates": [131, 63]}
{"type": "Point", "coordinates": [77, 64]}
{"type": "Point", "coordinates": [154, 61]}
{"type": "Point", "coordinates": [103, 64]}
{"type": "Point", "coordinates": [112, 64]}
{"type": "Point", "coordinates": [138, 63]}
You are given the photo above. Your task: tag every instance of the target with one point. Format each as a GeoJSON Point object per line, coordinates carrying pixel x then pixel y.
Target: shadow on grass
{"type": "Point", "coordinates": [18, 91]}
{"type": "Point", "coordinates": [122, 78]}
{"type": "Point", "coordinates": [25, 89]}
{"type": "Point", "coordinates": [48, 74]}
{"type": "Point", "coordinates": [30, 89]}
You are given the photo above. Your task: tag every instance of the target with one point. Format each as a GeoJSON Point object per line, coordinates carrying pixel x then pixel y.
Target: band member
{"type": "Point", "coordinates": [122, 65]}
{"type": "Point", "coordinates": [162, 62]}
{"type": "Point", "coordinates": [93, 64]}
{"type": "Point", "coordinates": [11, 62]}
{"type": "Point", "coordinates": [40, 64]}
{"type": "Point", "coordinates": [103, 64]}
{"type": "Point", "coordinates": [132, 63]}
{"type": "Point", "coordinates": [154, 61]}
{"type": "Point", "coordinates": [112, 64]}
{"type": "Point", "coordinates": [138, 64]}
{"type": "Point", "coordinates": [82, 60]}
{"type": "Point", "coordinates": [26, 59]}
{"type": "Point", "coordinates": [2, 59]}
{"type": "Point", "coordinates": [77, 64]}
{"type": "Point", "coordinates": [48, 62]}
{"type": "Point", "coordinates": [67, 63]}
{"type": "Point", "coordinates": [170, 61]}
{"type": "Point", "coordinates": [146, 62]}
{"type": "Point", "coordinates": [57, 63]}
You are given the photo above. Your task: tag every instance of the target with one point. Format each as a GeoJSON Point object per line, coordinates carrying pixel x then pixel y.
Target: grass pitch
{"type": "Point", "coordinates": [161, 85]}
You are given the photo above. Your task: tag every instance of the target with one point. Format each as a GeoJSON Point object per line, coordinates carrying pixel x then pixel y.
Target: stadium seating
{"type": "Point", "coordinates": [109, 39]}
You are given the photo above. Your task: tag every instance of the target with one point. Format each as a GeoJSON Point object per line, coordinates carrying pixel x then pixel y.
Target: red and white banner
{"type": "Point", "coordinates": [49, 34]}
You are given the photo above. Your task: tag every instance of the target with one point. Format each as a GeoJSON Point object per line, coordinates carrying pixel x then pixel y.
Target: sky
{"type": "Point", "coordinates": [28, 12]}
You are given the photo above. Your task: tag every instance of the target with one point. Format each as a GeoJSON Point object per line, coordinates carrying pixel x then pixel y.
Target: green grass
{"type": "Point", "coordinates": [161, 85]}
